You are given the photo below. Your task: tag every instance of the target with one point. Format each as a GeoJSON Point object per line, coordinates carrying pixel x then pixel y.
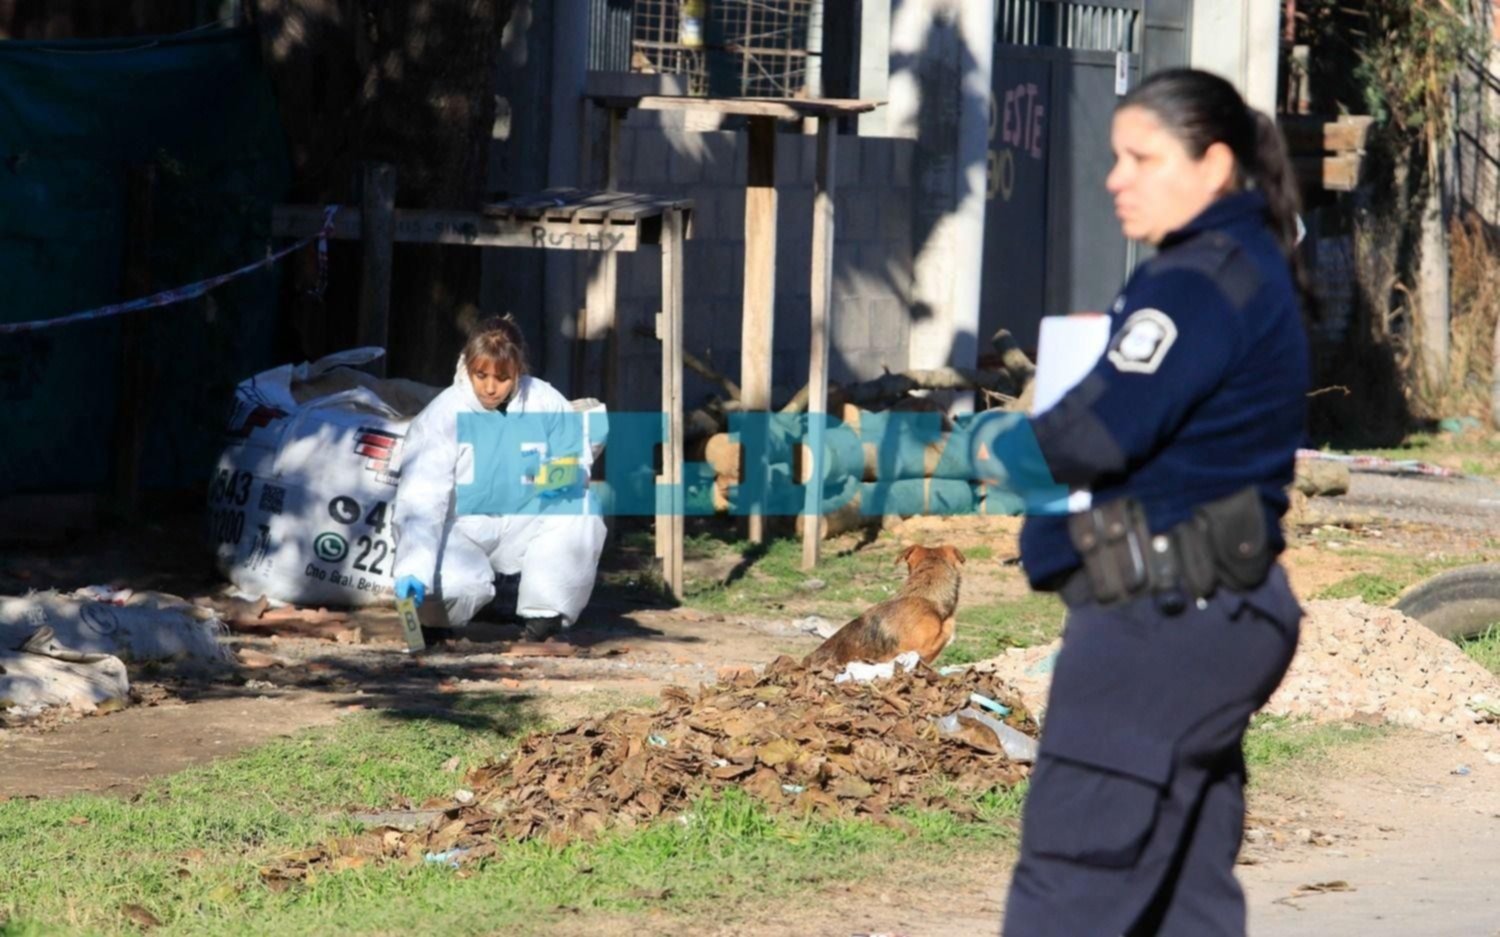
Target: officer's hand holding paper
{"type": "Point", "coordinates": [1005, 450]}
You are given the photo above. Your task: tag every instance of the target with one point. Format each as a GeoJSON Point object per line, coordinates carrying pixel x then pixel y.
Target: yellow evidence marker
{"type": "Point", "coordinates": [558, 475]}
{"type": "Point", "coordinates": [411, 624]}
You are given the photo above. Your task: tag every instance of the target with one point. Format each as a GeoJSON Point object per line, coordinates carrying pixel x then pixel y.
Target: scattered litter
{"type": "Point", "coordinates": [793, 788]}
{"type": "Point", "coordinates": [403, 820]}
{"type": "Point", "coordinates": [657, 740]}
{"type": "Point", "coordinates": [133, 626]}
{"type": "Point", "coordinates": [861, 672]}
{"type": "Point", "coordinates": [32, 683]}
{"type": "Point", "coordinates": [463, 796]}
{"type": "Point", "coordinates": [816, 625]}
{"type": "Point", "coordinates": [1316, 888]}
{"type": "Point", "coordinates": [259, 685]}
{"type": "Point", "coordinates": [1462, 771]}
{"type": "Point", "coordinates": [1370, 463]}
{"type": "Point", "coordinates": [448, 857]}
{"type": "Point", "coordinates": [949, 670]}
{"type": "Point", "coordinates": [251, 659]}
{"type": "Point", "coordinates": [1017, 746]}
{"type": "Point", "coordinates": [987, 703]}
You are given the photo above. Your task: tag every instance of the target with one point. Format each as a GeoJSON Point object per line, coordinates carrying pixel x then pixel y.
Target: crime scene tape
{"type": "Point", "coordinates": [191, 290]}
{"type": "Point", "coordinates": [1373, 463]}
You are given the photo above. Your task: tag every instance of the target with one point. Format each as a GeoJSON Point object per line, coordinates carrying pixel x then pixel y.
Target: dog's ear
{"type": "Point", "coordinates": [905, 555]}
{"type": "Point", "coordinates": [953, 554]}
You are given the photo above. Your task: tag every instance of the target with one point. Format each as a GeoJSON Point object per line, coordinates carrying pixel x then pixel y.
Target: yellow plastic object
{"type": "Point", "coordinates": [411, 625]}
{"type": "Point", "coordinates": [558, 475]}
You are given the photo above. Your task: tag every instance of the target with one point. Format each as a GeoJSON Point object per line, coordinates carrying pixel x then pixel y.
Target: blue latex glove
{"type": "Point", "coordinates": [1005, 454]}
{"type": "Point", "coordinates": [411, 587]}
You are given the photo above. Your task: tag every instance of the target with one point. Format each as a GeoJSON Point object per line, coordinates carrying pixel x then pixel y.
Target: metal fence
{"type": "Point", "coordinates": [1088, 27]}
{"type": "Point", "coordinates": [747, 48]}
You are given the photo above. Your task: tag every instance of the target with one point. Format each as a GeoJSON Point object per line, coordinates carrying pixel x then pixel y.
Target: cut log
{"type": "Point", "coordinates": [891, 387]}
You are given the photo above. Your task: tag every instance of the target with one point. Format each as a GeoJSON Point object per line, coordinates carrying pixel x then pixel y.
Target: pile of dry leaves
{"type": "Point", "coordinates": [790, 737]}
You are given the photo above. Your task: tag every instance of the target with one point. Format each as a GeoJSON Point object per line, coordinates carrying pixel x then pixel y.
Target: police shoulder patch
{"type": "Point", "coordinates": [1142, 342]}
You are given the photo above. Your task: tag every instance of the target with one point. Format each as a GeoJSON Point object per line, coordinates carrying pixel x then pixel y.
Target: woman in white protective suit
{"type": "Point", "coordinates": [494, 479]}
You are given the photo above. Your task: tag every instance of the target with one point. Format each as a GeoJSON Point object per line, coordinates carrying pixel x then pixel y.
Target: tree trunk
{"type": "Point", "coordinates": [409, 84]}
{"type": "Point", "coordinates": [1432, 281]}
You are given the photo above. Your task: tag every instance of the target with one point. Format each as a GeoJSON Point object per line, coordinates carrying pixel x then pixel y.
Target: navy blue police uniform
{"type": "Point", "coordinates": [1135, 810]}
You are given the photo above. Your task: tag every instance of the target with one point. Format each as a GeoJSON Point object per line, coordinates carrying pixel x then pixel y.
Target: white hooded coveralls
{"type": "Point", "coordinates": [457, 556]}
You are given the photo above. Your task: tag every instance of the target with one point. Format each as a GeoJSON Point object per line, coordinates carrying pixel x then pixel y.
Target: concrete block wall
{"type": "Point", "coordinates": [870, 321]}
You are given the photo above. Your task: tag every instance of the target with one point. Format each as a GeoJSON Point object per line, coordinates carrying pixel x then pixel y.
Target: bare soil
{"type": "Point", "coordinates": [1416, 844]}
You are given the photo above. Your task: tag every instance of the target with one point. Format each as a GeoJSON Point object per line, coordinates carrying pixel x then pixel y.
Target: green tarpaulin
{"type": "Point", "coordinates": [76, 119]}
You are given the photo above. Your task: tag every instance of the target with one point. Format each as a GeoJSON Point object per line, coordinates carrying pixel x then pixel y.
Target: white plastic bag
{"type": "Point", "coordinates": [299, 503]}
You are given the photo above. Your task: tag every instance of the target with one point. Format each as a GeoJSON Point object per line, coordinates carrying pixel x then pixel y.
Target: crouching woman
{"type": "Point", "coordinates": [494, 479]}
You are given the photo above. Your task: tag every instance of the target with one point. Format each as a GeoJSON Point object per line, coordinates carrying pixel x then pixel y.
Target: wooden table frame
{"type": "Point", "coordinates": [559, 219]}
{"type": "Point", "coordinates": [757, 335]}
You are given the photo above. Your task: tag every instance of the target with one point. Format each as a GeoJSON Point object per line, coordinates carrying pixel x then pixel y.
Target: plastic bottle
{"type": "Point", "coordinates": [690, 25]}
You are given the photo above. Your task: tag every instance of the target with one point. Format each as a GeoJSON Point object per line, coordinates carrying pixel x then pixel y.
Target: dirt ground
{"type": "Point", "coordinates": [1416, 844]}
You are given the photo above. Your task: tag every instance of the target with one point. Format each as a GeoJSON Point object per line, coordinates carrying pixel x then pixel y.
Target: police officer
{"type": "Point", "coordinates": [1180, 623]}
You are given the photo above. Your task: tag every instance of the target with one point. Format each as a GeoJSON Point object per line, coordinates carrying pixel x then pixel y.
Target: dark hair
{"type": "Point", "coordinates": [499, 339]}
{"type": "Point", "coordinates": [1202, 109]}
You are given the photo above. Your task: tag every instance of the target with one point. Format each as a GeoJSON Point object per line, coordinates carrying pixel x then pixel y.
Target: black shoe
{"type": "Point", "coordinates": [540, 629]}
{"type": "Point", "coordinates": [432, 637]}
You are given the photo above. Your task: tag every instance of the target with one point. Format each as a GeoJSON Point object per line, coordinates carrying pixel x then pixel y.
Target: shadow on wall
{"type": "Point", "coordinates": [409, 84]}
{"type": "Point", "coordinates": [893, 195]}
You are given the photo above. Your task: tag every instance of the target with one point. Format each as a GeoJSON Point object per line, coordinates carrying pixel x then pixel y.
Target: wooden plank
{"type": "Point", "coordinates": [757, 329]}
{"type": "Point", "coordinates": [378, 230]}
{"type": "Point", "coordinates": [1307, 135]}
{"type": "Point", "coordinates": [817, 369]}
{"type": "Point", "coordinates": [1334, 173]}
{"type": "Point", "coordinates": [423, 226]}
{"type": "Point", "coordinates": [777, 108]}
{"type": "Point", "coordinates": [670, 528]}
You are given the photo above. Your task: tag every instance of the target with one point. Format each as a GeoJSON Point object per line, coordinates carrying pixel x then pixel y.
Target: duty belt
{"type": "Point", "coordinates": [1224, 543]}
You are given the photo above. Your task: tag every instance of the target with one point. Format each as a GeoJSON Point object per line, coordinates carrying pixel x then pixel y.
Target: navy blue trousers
{"type": "Point", "coordinates": [1136, 806]}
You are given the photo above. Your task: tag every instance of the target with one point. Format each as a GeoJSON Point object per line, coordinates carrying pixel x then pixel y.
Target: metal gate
{"type": "Point", "coordinates": [1052, 244]}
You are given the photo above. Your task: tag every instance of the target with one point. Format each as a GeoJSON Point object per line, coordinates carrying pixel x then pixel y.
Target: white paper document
{"type": "Point", "coordinates": [1067, 349]}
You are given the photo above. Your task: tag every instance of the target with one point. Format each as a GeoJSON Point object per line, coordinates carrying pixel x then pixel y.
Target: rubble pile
{"type": "Point", "coordinates": [1354, 662]}
{"type": "Point", "coordinates": [790, 737]}
{"type": "Point", "coordinates": [1361, 662]}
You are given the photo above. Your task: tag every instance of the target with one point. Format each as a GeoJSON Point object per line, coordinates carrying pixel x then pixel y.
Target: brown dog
{"type": "Point", "coordinates": [919, 618]}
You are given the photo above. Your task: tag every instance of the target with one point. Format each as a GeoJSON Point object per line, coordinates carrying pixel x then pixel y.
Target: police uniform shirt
{"type": "Point", "coordinates": [1201, 391]}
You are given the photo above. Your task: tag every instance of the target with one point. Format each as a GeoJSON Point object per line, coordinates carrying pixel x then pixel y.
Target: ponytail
{"type": "Point", "coordinates": [1270, 170]}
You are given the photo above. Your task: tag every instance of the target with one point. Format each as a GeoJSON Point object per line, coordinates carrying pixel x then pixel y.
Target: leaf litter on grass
{"type": "Point", "coordinates": [788, 736]}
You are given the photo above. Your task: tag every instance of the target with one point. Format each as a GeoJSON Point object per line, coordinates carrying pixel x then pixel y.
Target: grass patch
{"type": "Point", "coordinates": [1276, 743]}
{"type": "Point", "coordinates": [1397, 573]}
{"type": "Point", "coordinates": [987, 630]}
{"type": "Point", "coordinates": [769, 578]}
{"type": "Point", "coordinates": [1372, 588]}
{"type": "Point", "coordinates": [1485, 649]}
{"type": "Point", "coordinates": [189, 849]}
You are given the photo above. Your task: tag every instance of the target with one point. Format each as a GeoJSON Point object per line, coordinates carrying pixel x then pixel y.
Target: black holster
{"type": "Point", "coordinates": [1224, 543]}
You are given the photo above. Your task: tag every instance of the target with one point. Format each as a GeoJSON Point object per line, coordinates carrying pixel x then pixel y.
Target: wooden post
{"type": "Point", "coordinates": [757, 334]}
{"type": "Point", "coordinates": [670, 525]}
{"type": "Point", "coordinates": [378, 220]}
{"type": "Point", "coordinates": [595, 369]}
{"type": "Point", "coordinates": [131, 407]}
{"type": "Point", "coordinates": [817, 368]}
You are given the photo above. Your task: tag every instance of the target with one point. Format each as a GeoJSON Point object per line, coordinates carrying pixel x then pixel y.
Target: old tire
{"type": "Point", "coordinates": [1461, 603]}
